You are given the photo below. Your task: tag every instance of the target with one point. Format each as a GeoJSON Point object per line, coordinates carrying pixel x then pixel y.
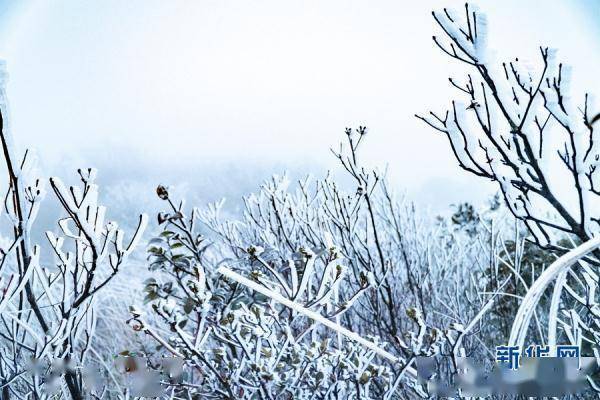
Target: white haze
{"type": "Point", "coordinates": [216, 95]}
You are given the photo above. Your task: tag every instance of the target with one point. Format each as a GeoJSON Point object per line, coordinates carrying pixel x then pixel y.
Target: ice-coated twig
{"type": "Point", "coordinates": [523, 318]}
{"type": "Point", "coordinates": [554, 304]}
{"type": "Point", "coordinates": [312, 315]}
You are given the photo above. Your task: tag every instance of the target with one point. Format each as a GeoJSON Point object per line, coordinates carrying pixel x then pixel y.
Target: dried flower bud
{"type": "Point", "coordinates": [162, 192]}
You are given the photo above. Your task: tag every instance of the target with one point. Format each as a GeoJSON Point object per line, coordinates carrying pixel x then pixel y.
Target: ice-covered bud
{"type": "Point", "coordinates": [457, 327]}
{"type": "Point", "coordinates": [412, 313]}
{"type": "Point", "coordinates": [363, 280]}
{"type": "Point", "coordinates": [88, 175]}
{"type": "Point", "coordinates": [162, 192]}
{"type": "Point", "coordinates": [219, 352]}
{"type": "Point", "coordinates": [267, 376]}
{"type": "Point", "coordinates": [198, 289]}
{"type": "Point", "coordinates": [367, 279]}
{"type": "Point", "coordinates": [434, 334]}
{"type": "Point", "coordinates": [364, 378]}
{"type": "Point", "coordinates": [227, 319]}
{"type": "Point", "coordinates": [167, 306]}
{"type": "Point", "coordinates": [255, 251]}
{"type": "Point", "coordinates": [258, 331]}
{"type": "Point", "coordinates": [306, 253]}
{"type": "Point", "coordinates": [339, 270]}
{"type": "Point", "coordinates": [36, 192]}
{"type": "Point", "coordinates": [255, 274]}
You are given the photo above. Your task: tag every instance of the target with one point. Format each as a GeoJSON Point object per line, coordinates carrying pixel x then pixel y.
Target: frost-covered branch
{"type": "Point", "coordinates": [520, 129]}
{"type": "Point", "coordinates": [46, 309]}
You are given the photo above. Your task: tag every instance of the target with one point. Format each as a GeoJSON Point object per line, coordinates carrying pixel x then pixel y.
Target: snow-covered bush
{"type": "Point", "coordinates": [360, 258]}
{"type": "Point", "coordinates": [47, 334]}
{"type": "Point", "coordinates": [243, 344]}
{"type": "Point", "coordinates": [354, 283]}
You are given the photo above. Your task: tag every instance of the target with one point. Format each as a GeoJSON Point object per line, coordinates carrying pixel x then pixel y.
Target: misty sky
{"type": "Point", "coordinates": [223, 88]}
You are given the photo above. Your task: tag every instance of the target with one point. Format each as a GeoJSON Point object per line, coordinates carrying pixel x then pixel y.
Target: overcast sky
{"type": "Point", "coordinates": [136, 86]}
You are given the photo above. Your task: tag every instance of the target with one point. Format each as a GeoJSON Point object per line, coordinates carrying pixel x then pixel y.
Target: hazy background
{"type": "Point", "coordinates": [214, 96]}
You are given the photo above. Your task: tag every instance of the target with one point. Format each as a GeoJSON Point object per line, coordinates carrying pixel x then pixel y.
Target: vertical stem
{"type": "Point", "coordinates": [19, 230]}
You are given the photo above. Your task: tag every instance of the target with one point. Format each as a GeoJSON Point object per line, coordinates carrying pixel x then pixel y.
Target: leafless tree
{"type": "Point", "coordinates": [519, 127]}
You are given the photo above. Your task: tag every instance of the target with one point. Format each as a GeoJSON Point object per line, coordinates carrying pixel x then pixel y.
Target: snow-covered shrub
{"type": "Point", "coordinates": [47, 334]}
{"type": "Point", "coordinates": [243, 344]}
{"type": "Point", "coordinates": [358, 257]}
